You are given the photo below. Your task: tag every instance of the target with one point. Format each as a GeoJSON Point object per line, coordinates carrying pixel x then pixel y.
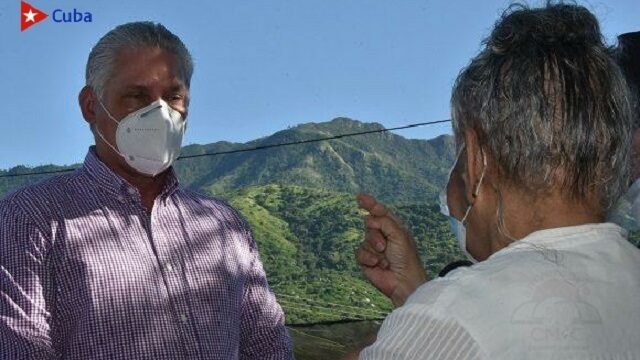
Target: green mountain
{"type": "Point", "coordinates": [307, 239]}
{"type": "Point", "coordinates": [388, 165]}
{"type": "Point", "coordinates": [8, 184]}
{"type": "Point", "coordinates": [300, 203]}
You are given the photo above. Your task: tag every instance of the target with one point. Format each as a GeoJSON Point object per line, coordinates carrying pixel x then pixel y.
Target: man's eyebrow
{"type": "Point", "coordinates": [138, 88]}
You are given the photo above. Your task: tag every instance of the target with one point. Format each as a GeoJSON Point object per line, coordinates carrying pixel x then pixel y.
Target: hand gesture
{"type": "Point", "coordinates": [388, 254]}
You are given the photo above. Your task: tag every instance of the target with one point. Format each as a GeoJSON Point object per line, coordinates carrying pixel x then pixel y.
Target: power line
{"type": "Point", "coordinates": [334, 305]}
{"type": "Point", "coordinates": [256, 148]}
{"type": "Point", "coordinates": [334, 344]}
{"type": "Point", "coordinates": [285, 305]}
{"type": "Point", "coordinates": [330, 322]}
{"type": "Point", "coordinates": [332, 311]}
{"type": "Point", "coordinates": [362, 312]}
{"type": "Point", "coordinates": [39, 173]}
{"type": "Point", "coordinates": [301, 142]}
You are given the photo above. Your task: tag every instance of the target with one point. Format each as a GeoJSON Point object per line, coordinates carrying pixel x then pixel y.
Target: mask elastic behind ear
{"type": "Point", "coordinates": [458, 227]}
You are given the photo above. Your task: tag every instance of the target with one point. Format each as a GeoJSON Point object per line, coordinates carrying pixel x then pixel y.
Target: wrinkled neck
{"type": "Point", "coordinates": [522, 215]}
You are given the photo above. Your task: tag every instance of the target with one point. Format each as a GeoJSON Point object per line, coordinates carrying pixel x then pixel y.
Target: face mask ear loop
{"type": "Point", "coordinates": [108, 113]}
{"type": "Point", "coordinates": [100, 132]}
{"type": "Point", "coordinates": [106, 142]}
{"type": "Point", "coordinates": [477, 189]}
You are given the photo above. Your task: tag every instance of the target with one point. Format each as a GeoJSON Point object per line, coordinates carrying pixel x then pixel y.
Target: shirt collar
{"type": "Point", "coordinates": [560, 237]}
{"type": "Point", "coordinates": [111, 182]}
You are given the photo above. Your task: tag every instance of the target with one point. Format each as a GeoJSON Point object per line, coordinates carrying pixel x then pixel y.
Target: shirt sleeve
{"type": "Point", "coordinates": [411, 332]}
{"type": "Point", "coordinates": [263, 333]}
{"type": "Point", "coordinates": [24, 317]}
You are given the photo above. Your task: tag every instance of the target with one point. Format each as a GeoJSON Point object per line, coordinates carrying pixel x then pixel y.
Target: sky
{"type": "Point", "coordinates": [260, 66]}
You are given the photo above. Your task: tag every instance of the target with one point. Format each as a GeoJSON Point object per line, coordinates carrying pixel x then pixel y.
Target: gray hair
{"type": "Point", "coordinates": [549, 104]}
{"type": "Point", "coordinates": [133, 35]}
{"type": "Point", "coordinates": [627, 54]}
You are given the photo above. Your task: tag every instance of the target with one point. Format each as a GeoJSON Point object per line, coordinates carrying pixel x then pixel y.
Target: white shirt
{"type": "Point", "coordinates": [563, 293]}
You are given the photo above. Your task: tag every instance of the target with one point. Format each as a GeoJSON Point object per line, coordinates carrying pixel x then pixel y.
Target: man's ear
{"type": "Point", "coordinates": [87, 100]}
{"type": "Point", "coordinates": [474, 164]}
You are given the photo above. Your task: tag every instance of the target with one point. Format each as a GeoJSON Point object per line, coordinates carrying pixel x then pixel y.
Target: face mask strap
{"type": "Point", "coordinates": [100, 132]}
{"type": "Point", "coordinates": [107, 111]}
{"type": "Point", "coordinates": [477, 189]}
{"type": "Point", "coordinates": [106, 142]}
{"type": "Point", "coordinates": [484, 169]}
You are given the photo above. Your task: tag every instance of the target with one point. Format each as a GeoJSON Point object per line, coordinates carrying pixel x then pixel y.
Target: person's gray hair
{"type": "Point", "coordinates": [133, 35]}
{"type": "Point", "coordinates": [548, 103]}
{"type": "Point", "coordinates": [627, 54]}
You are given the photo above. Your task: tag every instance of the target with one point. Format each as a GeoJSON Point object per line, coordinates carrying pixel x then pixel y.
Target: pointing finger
{"type": "Point", "coordinates": [366, 201]}
{"type": "Point", "coordinates": [370, 204]}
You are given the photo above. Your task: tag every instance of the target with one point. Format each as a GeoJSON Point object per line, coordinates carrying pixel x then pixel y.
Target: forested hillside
{"type": "Point", "coordinates": [307, 239]}
{"type": "Point", "coordinates": [300, 203]}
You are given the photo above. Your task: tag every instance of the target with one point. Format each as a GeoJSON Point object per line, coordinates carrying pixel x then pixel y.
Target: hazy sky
{"type": "Point", "coordinates": [260, 65]}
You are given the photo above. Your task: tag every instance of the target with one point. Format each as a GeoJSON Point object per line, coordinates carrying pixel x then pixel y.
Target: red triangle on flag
{"type": "Point", "coordinates": [30, 15]}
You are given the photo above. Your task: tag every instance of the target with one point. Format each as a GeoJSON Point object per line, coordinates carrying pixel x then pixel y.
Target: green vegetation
{"type": "Point", "coordinates": [300, 202]}
{"type": "Point", "coordinates": [307, 239]}
{"type": "Point", "coordinates": [8, 184]}
{"type": "Point", "coordinates": [396, 169]}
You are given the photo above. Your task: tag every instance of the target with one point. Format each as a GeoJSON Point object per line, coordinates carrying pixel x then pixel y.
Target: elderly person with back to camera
{"type": "Point", "coordinates": [542, 122]}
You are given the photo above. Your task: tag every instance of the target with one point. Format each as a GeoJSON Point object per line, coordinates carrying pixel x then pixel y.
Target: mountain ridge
{"type": "Point", "coordinates": [387, 164]}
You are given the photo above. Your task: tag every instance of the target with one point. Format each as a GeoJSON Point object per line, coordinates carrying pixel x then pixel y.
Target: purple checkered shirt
{"type": "Point", "coordinates": [87, 273]}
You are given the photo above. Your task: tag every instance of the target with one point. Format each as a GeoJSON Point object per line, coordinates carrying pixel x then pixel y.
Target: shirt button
{"type": "Point", "coordinates": [169, 267]}
{"type": "Point", "coordinates": [131, 191]}
{"type": "Point", "coordinates": [183, 317]}
{"type": "Point", "coordinates": [121, 199]}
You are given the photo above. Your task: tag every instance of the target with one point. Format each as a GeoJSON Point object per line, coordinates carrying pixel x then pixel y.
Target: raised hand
{"type": "Point", "coordinates": [388, 255]}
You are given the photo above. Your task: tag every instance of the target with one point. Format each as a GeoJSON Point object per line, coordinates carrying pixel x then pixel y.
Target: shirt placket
{"type": "Point", "coordinates": [171, 270]}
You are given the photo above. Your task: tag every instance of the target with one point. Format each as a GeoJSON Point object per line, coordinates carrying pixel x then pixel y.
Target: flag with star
{"type": "Point", "coordinates": [30, 15]}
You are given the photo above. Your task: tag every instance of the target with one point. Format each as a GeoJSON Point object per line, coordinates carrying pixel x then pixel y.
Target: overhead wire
{"type": "Point", "coordinates": [255, 148]}
{"type": "Point", "coordinates": [296, 297]}
{"type": "Point", "coordinates": [331, 343]}
{"type": "Point", "coordinates": [332, 311]}
{"type": "Point", "coordinates": [359, 315]}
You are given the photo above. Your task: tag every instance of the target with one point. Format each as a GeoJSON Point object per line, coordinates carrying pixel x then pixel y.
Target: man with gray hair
{"type": "Point", "coordinates": [115, 260]}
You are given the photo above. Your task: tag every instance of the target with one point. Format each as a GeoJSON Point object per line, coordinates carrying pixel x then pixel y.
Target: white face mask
{"type": "Point", "coordinates": [458, 226]}
{"type": "Point", "coordinates": [149, 139]}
